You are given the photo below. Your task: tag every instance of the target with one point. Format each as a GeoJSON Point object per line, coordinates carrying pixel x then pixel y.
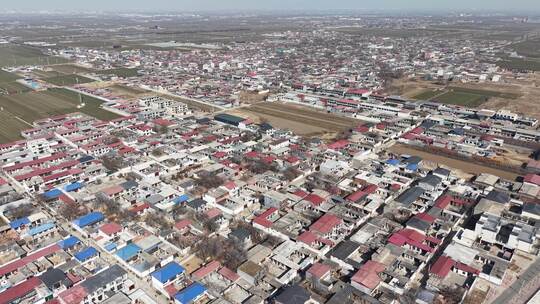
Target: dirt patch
{"type": "Point", "coordinates": [461, 165]}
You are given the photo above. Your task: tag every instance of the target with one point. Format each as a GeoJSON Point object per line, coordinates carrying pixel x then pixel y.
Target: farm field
{"type": "Point", "coordinates": [67, 80]}
{"type": "Point", "coordinates": [120, 72]}
{"type": "Point", "coordinates": [9, 85]}
{"type": "Point", "coordinates": [20, 110]}
{"type": "Point", "coordinates": [297, 118]}
{"type": "Point", "coordinates": [15, 55]}
{"type": "Point", "coordinates": [520, 64]}
{"type": "Point", "coordinates": [70, 68]}
{"type": "Point", "coordinates": [77, 69]}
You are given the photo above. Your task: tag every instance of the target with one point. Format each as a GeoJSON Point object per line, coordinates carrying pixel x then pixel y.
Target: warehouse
{"type": "Point", "coordinates": [229, 119]}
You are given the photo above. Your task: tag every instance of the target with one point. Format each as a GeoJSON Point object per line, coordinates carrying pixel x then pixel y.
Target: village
{"type": "Point", "coordinates": [272, 171]}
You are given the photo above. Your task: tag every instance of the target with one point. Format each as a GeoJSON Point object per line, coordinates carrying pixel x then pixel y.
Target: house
{"type": "Point", "coordinates": [166, 275]}
{"type": "Point", "coordinates": [190, 294]}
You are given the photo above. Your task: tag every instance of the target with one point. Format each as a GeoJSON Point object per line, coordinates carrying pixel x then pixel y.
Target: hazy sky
{"type": "Point", "coordinates": [191, 5]}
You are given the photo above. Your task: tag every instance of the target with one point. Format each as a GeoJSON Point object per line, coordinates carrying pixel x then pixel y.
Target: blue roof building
{"type": "Point", "coordinates": [393, 161]}
{"type": "Point", "coordinates": [41, 228]}
{"type": "Point", "coordinates": [18, 223]}
{"type": "Point", "coordinates": [86, 254]}
{"type": "Point", "coordinates": [54, 193]}
{"type": "Point", "coordinates": [110, 247]}
{"type": "Point", "coordinates": [89, 219]}
{"type": "Point", "coordinates": [73, 187]}
{"type": "Point", "coordinates": [182, 198]}
{"type": "Point", "coordinates": [69, 242]}
{"type": "Point", "coordinates": [128, 252]}
{"type": "Point", "coordinates": [168, 272]}
{"type": "Point", "coordinates": [190, 294]}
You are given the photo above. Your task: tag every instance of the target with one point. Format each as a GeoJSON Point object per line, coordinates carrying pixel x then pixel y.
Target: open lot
{"type": "Point", "coordinates": [16, 55]}
{"type": "Point", "coordinates": [20, 110]}
{"type": "Point", "coordinates": [299, 119]}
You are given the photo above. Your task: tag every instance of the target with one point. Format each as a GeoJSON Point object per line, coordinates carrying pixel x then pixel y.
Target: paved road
{"type": "Point", "coordinates": [523, 288]}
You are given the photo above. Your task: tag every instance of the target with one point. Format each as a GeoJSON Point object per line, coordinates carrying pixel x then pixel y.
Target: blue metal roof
{"type": "Point", "coordinates": [74, 186]}
{"type": "Point", "coordinates": [191, 293]}
{"type": "Point", "coordinates": [39, 229]}
{"type": "Point", "coordinates": [412, 167]}
{"type": "Point", "coordinates": [86, 254]}
{"type": "Point", "coordinates": [129, 251]}
{"type": "Point", "coordinates": [168, 272]}
{"type": "Point", "coordinates": [54, 193]}
{"type": "Point", "coordinates": [69, 242]}
{"type": "Point", "coordinates": [19, 222]}
{"type": "Point", "coordinates": [182, 198]}
{"type": "Point", "coordinates": [89, 219]}
{"type": "Point", "coordinates": [110, 247]}
{"type": "Point", "coordinates": [393, 161]}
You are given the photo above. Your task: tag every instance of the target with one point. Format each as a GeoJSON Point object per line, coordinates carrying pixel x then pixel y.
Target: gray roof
{"type": "Point", "coordinates": [418, 224]}
{"type": "Point", "coordinates": [101, 279]}
{"type": "Point", "coordinates": [129, 184]}
{"type": "Point", "coordinates": [442, 171]}
{"type": "Point", "coordinates": [498, 196]}
{"type": "Point", "coordinates": [410, 196]}
{"type": "Point", "coordinates": [432, 180]}
{"type": "Point", "coordinates": [53, 276]}
{"type": "Point", "coordinates": [344, 250]}
{"type": "Point", "coordinates": [240, 234]}
{"type": "Point", "coordinates": [196, 203]}
{"type": "Point", "coordinates": [531, 208]}
{"type": "Point", "coordinates": [294, 294]}
{"type": "Point", "coordinates": [154, 199]}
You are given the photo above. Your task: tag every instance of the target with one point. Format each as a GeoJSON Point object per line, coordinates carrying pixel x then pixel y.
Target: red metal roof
{"type": "Point", "coordinates": [442, 266]}
{"type": "Point", "coordinates": [229, 274]}
{"type": "Point", "coordinates": [325, 223]}
{"type": "Point", "coordinates": [314, 199]}
{"type": "Point", "coordinates": [368, 274]}
{"type": "Point", "coordinates": [18, 291]}
{"type": "Point", "coordinates": [318, 270]}
{"type": "Point", "coordinates": [110, 228]}
{"type": "Point", "coordinates": [206, 270]}
{"type": "Point", "coordinates": [8, 268]}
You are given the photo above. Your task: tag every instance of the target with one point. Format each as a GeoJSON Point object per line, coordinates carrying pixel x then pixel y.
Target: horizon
{"type": "Point", "coordinates": [188, 6]}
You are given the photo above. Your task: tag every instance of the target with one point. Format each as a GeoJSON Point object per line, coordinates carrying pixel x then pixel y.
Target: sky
{"type": "Point", "coordinates": [234, 5]}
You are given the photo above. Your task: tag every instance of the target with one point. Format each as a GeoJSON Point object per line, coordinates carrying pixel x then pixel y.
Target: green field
{"type": "Point", "coordinates": [528, 48]}
{"type": "Point", "coordinates": [520, 64]}
{"type": "Point", "coordinates": [16, 55]}
{"type": "Point", "coordinates": [462, 96]}
{"type": "Point", "coordinates": [428, 94]}
{"type": "Point", "coordinates": [76, 69]}
{"type": "Point", "coordinates": [66, 80]}
{"type": "Point", "coordinates": [70, 69]}
{"type": "Point", "coordinates": [8, 84]}
{"type": "Point", "coordinates": [20, 110]}
{"type": "Point", "coordinates": [461, 99]}
{"type": "Point", "coordinates": [120, 72]}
